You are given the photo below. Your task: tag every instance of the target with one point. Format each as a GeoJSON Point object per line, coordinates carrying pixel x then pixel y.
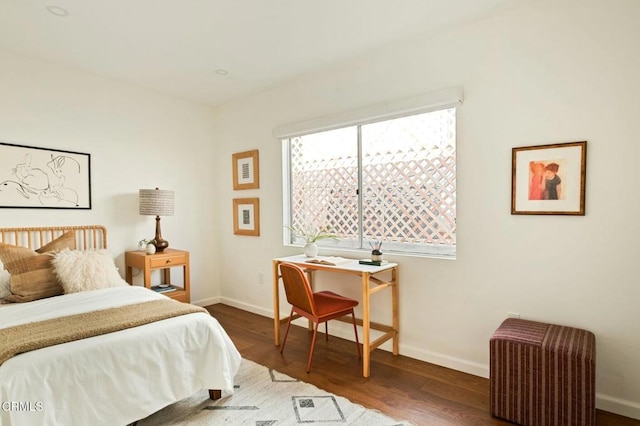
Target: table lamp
{"type": "Point", "coordinates": [157, 202]}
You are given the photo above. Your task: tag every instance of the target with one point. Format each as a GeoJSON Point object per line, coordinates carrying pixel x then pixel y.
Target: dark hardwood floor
{"type": "Point", "coordinates": [401, 387]}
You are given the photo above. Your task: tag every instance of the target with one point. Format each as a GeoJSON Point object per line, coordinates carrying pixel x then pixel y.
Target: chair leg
{"type": "Point", "coordinates": [355, 328]}
{"type": "Point", "coordinates": [313, 345]}
{"type": "Point", "coordinates": [287, 332]}
{"type": "Point", "coordinates": [326, 331]}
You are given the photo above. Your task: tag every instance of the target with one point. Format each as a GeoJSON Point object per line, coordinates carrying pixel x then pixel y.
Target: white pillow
{"type": "Point", "coordinates": [86, 270]}
{"type": "Point", "coordinates": [5, 286]}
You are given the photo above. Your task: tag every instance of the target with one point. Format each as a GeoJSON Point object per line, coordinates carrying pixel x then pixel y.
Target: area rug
{"type": "Point", "coordinates": [264, 397]}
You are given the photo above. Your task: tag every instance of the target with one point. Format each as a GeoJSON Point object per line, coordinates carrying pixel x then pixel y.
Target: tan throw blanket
{"type": "Point", "coordinates": [36, 335]}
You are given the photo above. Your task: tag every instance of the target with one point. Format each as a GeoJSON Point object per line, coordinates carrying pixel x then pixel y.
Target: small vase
{"type": "Point", "coordinates": [150, 249]}
{"type": "Point", "coordinates": [376, 257]}
{"type": "Point", "coordinates": [311, 250]}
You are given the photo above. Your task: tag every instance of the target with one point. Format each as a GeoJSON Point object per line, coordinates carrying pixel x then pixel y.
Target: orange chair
{"type": "Point", "coordinates": [318, 307]}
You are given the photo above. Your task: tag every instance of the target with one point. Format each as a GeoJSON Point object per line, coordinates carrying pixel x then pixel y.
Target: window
{"type": "Point", "coordinates": [392, 180]}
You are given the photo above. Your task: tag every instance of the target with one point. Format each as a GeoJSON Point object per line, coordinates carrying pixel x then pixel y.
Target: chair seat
{"type": "Point", "coordinates": [328, 302]}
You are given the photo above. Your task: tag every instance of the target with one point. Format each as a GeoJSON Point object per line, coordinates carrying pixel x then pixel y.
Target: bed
{"type": "Point", "coordinates": [115, 378]}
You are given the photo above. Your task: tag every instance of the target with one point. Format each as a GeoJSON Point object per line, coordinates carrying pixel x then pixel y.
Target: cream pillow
{"type": "Point", "coordinates": [86, 270]}
{"type": "Point", "coordinates": [5, 285]}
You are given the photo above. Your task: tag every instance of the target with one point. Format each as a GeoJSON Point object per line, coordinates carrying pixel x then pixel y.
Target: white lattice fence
{"type": "Point", "coordinates": [397, 208]}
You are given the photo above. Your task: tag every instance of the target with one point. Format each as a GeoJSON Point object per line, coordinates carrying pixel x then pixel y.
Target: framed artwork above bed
{"type": "Point", "coordinates": [32, 177]}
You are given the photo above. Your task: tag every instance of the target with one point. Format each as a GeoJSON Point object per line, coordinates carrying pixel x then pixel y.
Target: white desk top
{"type": "Point", "coordinates": [351, 265]}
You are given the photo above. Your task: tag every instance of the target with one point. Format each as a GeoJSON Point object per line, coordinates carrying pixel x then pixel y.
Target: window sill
{"type": "Point", "coordinates": [365, 254]}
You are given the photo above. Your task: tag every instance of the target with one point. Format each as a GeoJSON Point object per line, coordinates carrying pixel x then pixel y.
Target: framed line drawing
{"type": "Point", "coordinates": [246, 170]}
{"type": "Point", "coordinates": [32, 177]}
{"type": "Point", "coordinates": [246, 216]}
{"type": "Point", "coordinates": [549, 179]}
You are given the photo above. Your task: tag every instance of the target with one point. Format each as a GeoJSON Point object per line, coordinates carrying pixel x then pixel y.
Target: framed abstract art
{"type": "Point", "coordinates": [32, 177]}
{"type": "Point", "coordinates": [549, 179]}
{"type": "Point", "coordinates": [246, 216]}
{"type": "Point", "coordinates": [246, 170]}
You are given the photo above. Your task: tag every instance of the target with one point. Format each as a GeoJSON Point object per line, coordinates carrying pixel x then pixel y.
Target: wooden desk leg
{"type": "Point", "coordinates": [366, 338]}
{"type": "Point", "coordinates": [276, 304]}
{"type": "Point", "coordinates": [396, 310]}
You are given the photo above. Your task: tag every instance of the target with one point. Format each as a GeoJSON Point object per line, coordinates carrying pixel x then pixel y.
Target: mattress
{"type": "Point", "coordinates": [116, 378]}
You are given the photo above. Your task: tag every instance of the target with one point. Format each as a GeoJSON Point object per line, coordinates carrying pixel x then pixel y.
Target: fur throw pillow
{"type": "Point", "coordinates": [86, 270]}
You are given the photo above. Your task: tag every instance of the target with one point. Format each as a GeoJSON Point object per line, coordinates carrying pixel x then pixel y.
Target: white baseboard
{"type": "Point", "coordinates": [345, 331]}
{"type": "Point", "coordinates": [207, 302]}
{"type": "Point", "coordinates": [247, 307]}
{"type": "Point", "coordinates": [447, 361]}
{"type": "Point", "coordinates": [619, 406]}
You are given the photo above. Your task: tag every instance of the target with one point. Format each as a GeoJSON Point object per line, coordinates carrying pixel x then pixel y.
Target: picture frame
{"type": "Point", "coordinates": [549, 179]}
{"type": "Point", "coordinates": [246, 170]}
{"type": "Point", "coordinates": [246, 216]}
{"type": "Point", "coordinates": [44, 178]}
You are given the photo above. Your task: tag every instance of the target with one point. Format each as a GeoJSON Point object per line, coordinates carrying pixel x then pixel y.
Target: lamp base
{"type": "Point", "coordinates": [161, 245]}
{"type": "Point", "coordinates": [159, 242]}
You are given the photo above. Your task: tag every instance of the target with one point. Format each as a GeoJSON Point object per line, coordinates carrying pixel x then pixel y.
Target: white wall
{"type": "Point", "coordinates": [553, 71]}
{"type": "Point", "coordinates": [136, 138]}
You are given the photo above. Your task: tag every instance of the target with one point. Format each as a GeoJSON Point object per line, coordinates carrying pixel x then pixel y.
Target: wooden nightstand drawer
{"type": "Point", "coordinates": [166, 261]}
{"type": "Point", "coordinates": [180, 296]}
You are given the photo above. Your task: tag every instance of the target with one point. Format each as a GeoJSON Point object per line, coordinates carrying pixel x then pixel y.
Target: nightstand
{"type": "Point", "coordinates": [169, 258]}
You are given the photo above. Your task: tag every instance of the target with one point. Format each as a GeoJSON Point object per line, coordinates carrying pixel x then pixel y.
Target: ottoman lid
{"type": "Point", "coordinates": [521, 331]}
{"type": "Point", "coordinates": [570, 342]}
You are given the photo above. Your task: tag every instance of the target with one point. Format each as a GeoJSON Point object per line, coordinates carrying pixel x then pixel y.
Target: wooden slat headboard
{"type": "Point", "coordinates": [87, 236]}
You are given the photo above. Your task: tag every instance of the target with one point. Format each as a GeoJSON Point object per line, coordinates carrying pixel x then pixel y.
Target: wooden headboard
{"type": "Point", "coordinates": [87, 236]}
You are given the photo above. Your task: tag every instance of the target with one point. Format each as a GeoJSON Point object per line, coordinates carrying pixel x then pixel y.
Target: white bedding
{"type": "Point", "coordinates": [113, 379]}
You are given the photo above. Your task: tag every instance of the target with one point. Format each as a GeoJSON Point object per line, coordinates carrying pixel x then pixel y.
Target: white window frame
{"type": "Point", "coordinates": [442, 99]}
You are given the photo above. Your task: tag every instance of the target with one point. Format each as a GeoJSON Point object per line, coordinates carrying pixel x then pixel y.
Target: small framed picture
{"type": "Point", "coordinates": [246, 171]}
{"type": "Point", "coordinates": [549, 179]}
{"type": "Point", "coordinates": [246, 216]}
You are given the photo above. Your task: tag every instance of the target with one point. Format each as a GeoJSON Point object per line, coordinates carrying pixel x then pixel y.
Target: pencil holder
{"type": "Point", "coordinates": [376, 255]}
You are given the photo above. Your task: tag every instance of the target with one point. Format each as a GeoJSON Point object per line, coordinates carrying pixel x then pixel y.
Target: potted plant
{"type": "Point", "coordinates": [147, 245]}
{"type": "Point", "coordinates": [312, 235]}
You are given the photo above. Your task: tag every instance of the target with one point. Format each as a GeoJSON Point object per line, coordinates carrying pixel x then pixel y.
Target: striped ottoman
{"type": "Point", "coordinates": [543, 374]}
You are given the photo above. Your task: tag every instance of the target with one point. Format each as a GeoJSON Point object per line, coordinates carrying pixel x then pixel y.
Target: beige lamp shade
{"type": "Point", "coordinates": [156, 202]}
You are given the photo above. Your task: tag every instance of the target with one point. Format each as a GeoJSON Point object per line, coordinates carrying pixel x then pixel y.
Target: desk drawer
{"type": "Point", "coordinates": [167, 261]}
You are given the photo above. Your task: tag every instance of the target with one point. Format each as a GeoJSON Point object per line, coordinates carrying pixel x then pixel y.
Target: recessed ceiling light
{"type": "Point", "coordinates": [58, 11]}
{"type": "Point", "coordinates": [221, 72]}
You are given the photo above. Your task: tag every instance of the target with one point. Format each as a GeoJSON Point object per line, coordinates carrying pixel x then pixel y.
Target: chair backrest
{"type": "Point", "coordinates": [297, 287]}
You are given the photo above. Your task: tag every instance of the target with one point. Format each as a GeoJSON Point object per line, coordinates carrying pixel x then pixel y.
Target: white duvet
{"type": "Point", "coordinates": [113, 379]}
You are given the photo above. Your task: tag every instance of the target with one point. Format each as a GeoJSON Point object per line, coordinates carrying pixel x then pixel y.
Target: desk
{"type": "Point", "coordinates": [370, 285]}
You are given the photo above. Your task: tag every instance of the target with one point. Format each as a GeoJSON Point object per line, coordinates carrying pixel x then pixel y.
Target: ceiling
{"type": "Point", "coordinates": [184, 47]}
